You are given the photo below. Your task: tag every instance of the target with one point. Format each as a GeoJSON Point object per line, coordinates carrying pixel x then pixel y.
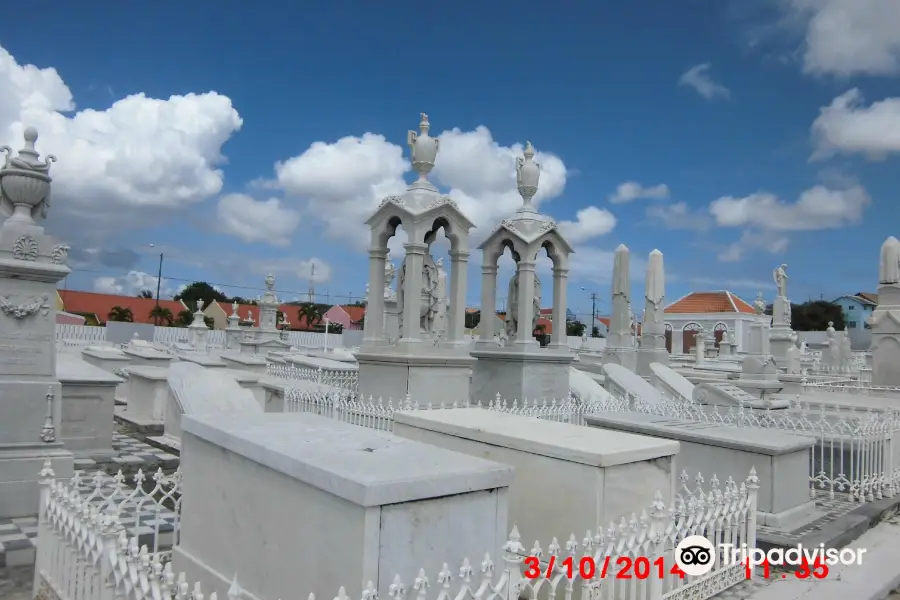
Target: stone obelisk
{"type": "Point", "coordinates": [653, 330]}
{"type": "Point", "coordinates": [885, 321]}
{"type": "Point", "coordinates": [619, 342]}
{"type": "Point", "coordinates": [31, 264]}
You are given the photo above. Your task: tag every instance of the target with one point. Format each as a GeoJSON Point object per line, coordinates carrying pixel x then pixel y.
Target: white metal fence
{"type": "Point", "coordinates": [347, 379]}
{"type": "Point", "coordinates": [857, 452]}
{"type": "Point", "coordinates": [85, 553]}
{"type": "Point", "coordinates": [85, 335]}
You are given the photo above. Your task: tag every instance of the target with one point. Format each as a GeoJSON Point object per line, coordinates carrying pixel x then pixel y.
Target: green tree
{"type": "Point", "coordinates": [815, 315]}
{"type": "Point", "coordinates": [200, 290]}
{"type": "Point", "coordinates": [309, 313]}
{"type": "Point", "coordinates": [595, 331]}
{"type": "Point", "coordinates": [160, 315]}
{"type": "Point", "coordinates": [145, 294]}
{"type": "Point", "coordinates": [472, 319]}
{"type": "Point", "coordinates": [120, 314]}
{"type": "Point", "coordinates": [575, 328]}
{"type": "Point", "coordinates": [334, 328]}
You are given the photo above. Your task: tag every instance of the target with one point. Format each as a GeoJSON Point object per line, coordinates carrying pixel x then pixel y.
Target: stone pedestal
{"type": "Point", "coordinates": [88, 404]}
{"type": "Point", "coordinates": [885, 323]}
{"type": "Point", "coordinates": [319, 489]}
{"type": "Point", "coordinates": [391, 319]}
{"type": "Point", "coordinates": [648, 356]}
{"type": "Point", "coordinates": [781, 335]}
{"type": "Point", "coordinates": [515, 373]}
{"type": "Point", "coordinates": [430, 376]}
{"type": "Point", "coordinates": [625, 357]}
{"type": "Point", "coordinates": [27, 367]}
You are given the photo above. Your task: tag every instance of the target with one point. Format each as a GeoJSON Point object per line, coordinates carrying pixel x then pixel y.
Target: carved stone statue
{"type": "Point", "coordinates": [443, 303]}
{"type": "Point", "coordinates": [889, 267]}
{"type": "Point", "coordinates": [759, 305]}
{"type": "Point", "coordinates": [270, 282]}
{"type": "Point", "coordinates": [429, 299]}
{"type": "Point", "coordinates": [780, 277]}
{"type": "Point", "coordinates": [199, 305]}
{"type": "Point", "coordinates": [234, 308]}
{"type": "Point", "coordinates": [389, 271]}
{"type": "Point", "coordinates": [512, 314]}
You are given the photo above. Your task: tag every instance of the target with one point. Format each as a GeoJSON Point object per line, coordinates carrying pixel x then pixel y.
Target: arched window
{"type": "Point", "coordinates": [689, 336]}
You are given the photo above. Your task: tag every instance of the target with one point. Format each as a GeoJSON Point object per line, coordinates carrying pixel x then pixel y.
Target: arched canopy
{"type": "Point", "coordinates": [527, 238]}
{"type": "Point", "coordinates": [420, 225]}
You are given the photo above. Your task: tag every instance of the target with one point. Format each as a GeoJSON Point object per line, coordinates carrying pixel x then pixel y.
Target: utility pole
{"type": "Point", "coordinates": [593, 314]}
{"type": "Point", "coordinates": [158, 281]}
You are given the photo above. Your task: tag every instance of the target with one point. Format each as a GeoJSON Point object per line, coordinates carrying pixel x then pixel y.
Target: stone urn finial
{"type": "Point", "coordinates": [424, 149]}
{"type": "Point", "coordinates": [270, 282]}
{"type": "Point", "coordinates": [25, 181]}
{"type": "Point", "coordinates": [528, 174]}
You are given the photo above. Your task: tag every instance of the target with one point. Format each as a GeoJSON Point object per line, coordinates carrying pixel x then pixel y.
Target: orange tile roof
{"type": "Point", "coordinates": [99, 305]}
{"type": "Point", "coordinates": [356, 312]}
{"type": "Point", "coordinates": [869, 296]}
{"type": "Point", "coordinates": [604, 320]}
{"type": "Point", "coordinates": [709, 302]}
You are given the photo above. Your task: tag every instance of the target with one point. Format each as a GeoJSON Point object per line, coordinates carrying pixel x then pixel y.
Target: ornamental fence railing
{"type": "Point", "coordinates": [85, 551]}
{"type": "Point", "coordinates": [856, 452]}
{"type": "Point", "coordinates": [347, 379]}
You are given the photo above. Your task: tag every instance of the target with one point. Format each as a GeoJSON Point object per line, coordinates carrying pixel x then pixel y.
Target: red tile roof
{"type": "Point", "coordinates": [868, 296]}
{"type": "Point", "coordinates": [356, 312]}
{"type": "Point", "coordinates": [709, 302]}
{"type": "Point", "coordinates": [99, 305]}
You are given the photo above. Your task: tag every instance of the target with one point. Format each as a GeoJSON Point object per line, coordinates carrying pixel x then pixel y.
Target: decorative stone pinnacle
{"type": "Point", "coordinates": [424, 149]}
{"type": "Point", "coordinates": [270, 282]}
{"type": "Point", "coordinates": [528, 174]}
{"type": "Point", "coordinates": [25, 181]}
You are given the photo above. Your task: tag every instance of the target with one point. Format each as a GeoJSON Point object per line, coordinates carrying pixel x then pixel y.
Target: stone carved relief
{"type": "Point", "coordinates": [429, 297]}
{"type": "Point", "coordinates": [512, 314]}
{"type": "Point", "coordinates": [60, 254]}
{"type": "Point", "coordinates": [393, 200]}
{"type": "Point", "coordinates": [25, 248]}
{"type": "Point", "coordinates": [20, 311]}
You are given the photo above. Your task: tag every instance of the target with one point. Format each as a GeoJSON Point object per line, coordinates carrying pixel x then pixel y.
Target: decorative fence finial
{"type": "Point", "coordinates": [48, 431]}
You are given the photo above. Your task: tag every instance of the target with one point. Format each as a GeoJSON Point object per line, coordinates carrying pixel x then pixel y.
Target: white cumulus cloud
{"type": "Point", "coordinates": [132, 284]}
{"type": "Point", "coordinates": [698, 78]}
{"type": "Point", "coordinates": [589, 223]}
{"type": "Point", "coordinates": [139, 158]}
{"type": "Point", "coordinates": [253, 220]}
{"type": "Point", "coordinates": [765, 218]}
{"type": "Point", "coordinates": [847, 126]}
{"type": "Point", "coordinates": [818, 207]}
{"type": "Point", "coordinates": [849, 37]}
{"type": "Point", "coordinates": [632, 190]}
{"type": "Point", "coordinates": [344, 181]}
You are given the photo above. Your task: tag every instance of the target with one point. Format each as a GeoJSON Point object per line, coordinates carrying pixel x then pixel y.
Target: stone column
{"type": "Point", "coordinates": [374, 327]}
{"type": "Point", "coordinates": [412, 291]}
{"type": "Point", "coordinates": [558, 338]}
{"type": "Point", "coordinates": [525, 275]}
{"type": "Point", "coordinates": [459, 260]}
{"type": "Point", "coordinates": [488, 305]}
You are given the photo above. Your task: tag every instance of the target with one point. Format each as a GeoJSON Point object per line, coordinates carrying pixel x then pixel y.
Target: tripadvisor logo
{"type": "Point", "coordinates": [695, 555]}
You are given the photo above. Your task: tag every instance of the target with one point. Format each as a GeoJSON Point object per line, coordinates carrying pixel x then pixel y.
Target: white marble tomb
{"type": "Point", "coordinates": [299, 490]}
{"type": "Point", "coordinates": [88, 404]}
{"type": "Point", "coordinates": [566, 476]}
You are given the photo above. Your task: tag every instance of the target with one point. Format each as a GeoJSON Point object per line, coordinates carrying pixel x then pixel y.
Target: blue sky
{"type": "Point", "coordinates": [609, 93]}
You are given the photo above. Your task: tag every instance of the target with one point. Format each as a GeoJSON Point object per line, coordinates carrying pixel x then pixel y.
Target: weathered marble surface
{"type": "Point", "coordinates": [319, 488]}
{"type": "Point", "coordinates": [582, 474]}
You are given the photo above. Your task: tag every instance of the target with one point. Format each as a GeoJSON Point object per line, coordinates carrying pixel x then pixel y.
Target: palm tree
{"type": "Point", "coordinates": [122, 315]}
{"type": "Point", "coordinates": [145, 294]}
{"type": "Point", "coordinates": [184, 318]}
{"type": "Point", "coordinates": [162, 316]}
{"type": "Point", "coordinates": [310, 313]}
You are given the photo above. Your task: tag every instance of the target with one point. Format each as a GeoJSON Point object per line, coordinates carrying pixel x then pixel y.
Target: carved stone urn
{"type": "Point", "coordinates": [528, 173]}
{"type": "Point", "coordinates": [25, 180]}
{"type": "Point", "coordinates": [424, 148]}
